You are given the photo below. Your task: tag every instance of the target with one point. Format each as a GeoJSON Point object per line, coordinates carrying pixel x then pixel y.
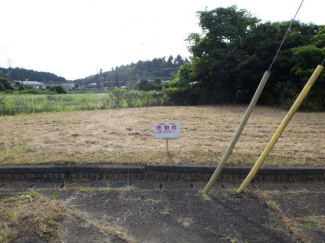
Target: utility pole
{"type": "Point", "coordinates": [101, 79]}
{"type": "Point", "coordinates": [9, 63]}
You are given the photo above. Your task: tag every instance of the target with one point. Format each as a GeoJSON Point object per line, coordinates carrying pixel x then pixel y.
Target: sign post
{"type": "Point", "coordinates": [166, 130]}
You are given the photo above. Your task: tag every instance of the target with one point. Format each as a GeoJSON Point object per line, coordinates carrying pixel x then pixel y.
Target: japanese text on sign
{"type": "Point", "coordinates": [166, 130]}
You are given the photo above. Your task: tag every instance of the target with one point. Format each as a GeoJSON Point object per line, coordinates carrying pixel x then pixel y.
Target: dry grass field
{"type": "Point", "coordinates": [126, 136]}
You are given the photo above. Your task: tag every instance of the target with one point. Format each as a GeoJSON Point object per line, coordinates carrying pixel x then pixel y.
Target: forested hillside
{"type": "Point", "coordinates": [233, 51]}
{"type": "Point", "coordinates": [18, 73]}
{"type": "Point", "coordinates": [156, 68]}
{"type": "Point", "coordinates": [228, 60]}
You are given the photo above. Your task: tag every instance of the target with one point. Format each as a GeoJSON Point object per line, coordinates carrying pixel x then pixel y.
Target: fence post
{"type": "Point", "coordinates": [33, 106]}
{"type": "Point", "coordinates": [57, 102]}
{"type": "Point", "coordinates": [9, 107]}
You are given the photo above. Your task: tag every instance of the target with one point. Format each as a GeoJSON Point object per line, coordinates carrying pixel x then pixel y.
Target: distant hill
{"type": "Point", "coordinates": [18, 73]}
{"type": "Point", "coordinates": [118, 76]}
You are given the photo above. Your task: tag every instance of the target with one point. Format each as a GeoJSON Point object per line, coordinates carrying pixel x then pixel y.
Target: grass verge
{"type": "Point", "coordinates": [295, 226]}
{"type": "Point", "coordinates": [29, 215]}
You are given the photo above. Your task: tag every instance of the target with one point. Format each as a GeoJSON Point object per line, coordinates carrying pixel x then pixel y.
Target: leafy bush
{"type": "Point", "coordinates": [6, 84]}
{"type": "Point", "coordinates": [182, 96]}
{"type": "Point", "coordinates": [146, 85]}
{"type": "Point", "coordinates": [157, 81]}
{"type": "Point", "coordinates": [21, 87]}
{"type": "Point", "coordinates": [235, 48]}
{"type": "Point", "coordinates": [58, 89]}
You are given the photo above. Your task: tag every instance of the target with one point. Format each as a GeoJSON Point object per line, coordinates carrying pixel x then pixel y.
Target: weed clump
{"type": "Point", "coordinates": [29, 215]}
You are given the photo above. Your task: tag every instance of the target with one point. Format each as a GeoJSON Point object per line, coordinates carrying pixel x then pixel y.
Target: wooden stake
{"type": "Point", "coordinates": [57, 102]}
{"type": "Point", "coordinates": [9, 103]}
{"type": "Point", "coordinates": [167, 150]}
{"type": "Point", "coordinates": [33, 106]}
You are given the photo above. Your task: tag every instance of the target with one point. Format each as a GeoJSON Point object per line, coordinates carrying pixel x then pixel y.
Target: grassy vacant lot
{"type": "Point", "coordinates": [126, 136]}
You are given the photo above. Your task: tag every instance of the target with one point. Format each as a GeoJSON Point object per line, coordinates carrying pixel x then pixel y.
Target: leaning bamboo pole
{"type": "Point", "coordinates": [281, 128]}
{"type": "Point", "coordinates": [238, 133]}
{"type": "Point", "coordinates": [247, 114]}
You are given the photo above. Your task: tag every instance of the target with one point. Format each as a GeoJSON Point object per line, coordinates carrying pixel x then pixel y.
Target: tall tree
{"type": "Point", "coordinates": [235, 49]}
{"type": "Point", "coordinates": [170, 61]}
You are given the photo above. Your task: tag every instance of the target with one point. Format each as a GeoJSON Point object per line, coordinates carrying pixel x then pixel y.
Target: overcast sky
{"type": "Point", "coordinates": [75, 38]}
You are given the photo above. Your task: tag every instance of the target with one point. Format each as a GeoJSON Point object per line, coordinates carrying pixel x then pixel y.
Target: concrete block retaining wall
{"type": "Point", "coordinates": [157, 172]}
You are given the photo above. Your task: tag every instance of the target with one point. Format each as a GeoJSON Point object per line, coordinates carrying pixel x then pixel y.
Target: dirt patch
{"type": "Point", "coordinates": [125, 136]}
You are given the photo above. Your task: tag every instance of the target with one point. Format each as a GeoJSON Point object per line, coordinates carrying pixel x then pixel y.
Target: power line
{"type": "Point", "coordinates": [285, 36]}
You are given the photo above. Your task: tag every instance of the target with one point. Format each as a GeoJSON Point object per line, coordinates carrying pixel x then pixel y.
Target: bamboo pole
{"type": "Point", "coordinates": [281, 128]}
{"type": "Point", "coordinates": [248, 112]}
{"type": "Point", "coordinates": [238, 133]}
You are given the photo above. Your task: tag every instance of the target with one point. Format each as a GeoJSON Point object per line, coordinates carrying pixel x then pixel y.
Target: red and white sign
{"type": "Point", "coordinates": [166, 130]}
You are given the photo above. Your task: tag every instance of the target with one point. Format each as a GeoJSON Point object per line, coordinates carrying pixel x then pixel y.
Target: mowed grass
{"type": "Point", "coordinates": [29, 215]}
{"type": "Point", "coordinates": [125, 136]}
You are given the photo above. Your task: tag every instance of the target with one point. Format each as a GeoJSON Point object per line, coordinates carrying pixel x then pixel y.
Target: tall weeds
{"type": "Point", "coordinates": [116, 98]}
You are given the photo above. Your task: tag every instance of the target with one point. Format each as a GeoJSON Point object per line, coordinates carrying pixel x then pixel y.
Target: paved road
{"type": "Point", "coordinates": [156, 211]}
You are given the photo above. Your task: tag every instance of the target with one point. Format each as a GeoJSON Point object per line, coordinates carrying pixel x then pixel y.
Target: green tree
{"type": "Point", "coordinates": [157, 81]}
{"type": "Point", "coordinates": [143, 84]}
{"type": "Point", "coordinates": [15, 74]}
{"type": "Point", "coordinates": [178, 61]}
{"type": "Point", "coordinates": [150, 69]}
{"type": "Point", "coordinates": [235, 49]}
{"type": "Point", "coordinates": [20, 86]}
{"type": "Point", "coordinates": [2, 88]}
{"type": "Point", "coordinates": [170, 61]}
{"type": "Point", "coordinates": [58, 89]}
{"type": "Point", "coordinates": [217, 52]}
{"type": "Point", "coordinates": [6, 84]}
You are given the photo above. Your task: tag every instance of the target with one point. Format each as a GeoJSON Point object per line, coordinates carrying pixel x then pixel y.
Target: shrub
{"type": "Point", "coordinates": [58, 89]}
{"type": "Point", "coordinates": [21, 87]}
{"type": "Point", "coordinates": [6, 84]}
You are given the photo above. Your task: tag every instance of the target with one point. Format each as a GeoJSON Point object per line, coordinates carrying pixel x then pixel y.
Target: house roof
{"type": "Point", "coordinates": [30, 82]}
{"type": "Point", "coordinates": [67, 83]}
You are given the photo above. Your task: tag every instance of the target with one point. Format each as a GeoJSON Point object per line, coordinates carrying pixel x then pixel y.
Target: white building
{"type": "Point", "coordinates": [68, 86]}
{"type": "Point", "coordinates": [34, 84]}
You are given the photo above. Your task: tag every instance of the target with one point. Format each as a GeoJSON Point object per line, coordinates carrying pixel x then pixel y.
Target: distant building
{"type": "Point", "coordinates": [49, 85]}
{"type": "Point", "coordinates": [34, 84]}
{"type": "Point", "coordinates": [80, 87]}
{"type": "Point", "coordinates": [92, 86]}
{"type": "Point", "coordinates": [68, 86]}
